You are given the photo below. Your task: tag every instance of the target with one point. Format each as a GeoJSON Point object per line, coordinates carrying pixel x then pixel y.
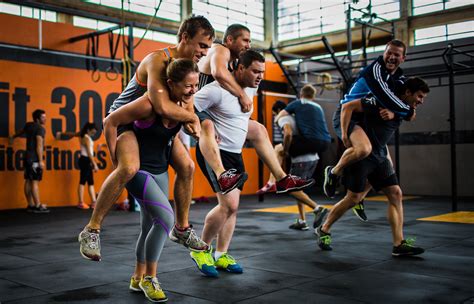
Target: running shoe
{"type": "Point", "coordinates": [228, 263]}
{"type": "Point", "coordinates": [331, 182]}
{"type": "Point", "coordinates": [134, 284]}
{"type": "Point", "coordinates": [299, 225]}
{"type": "Point", "coordinates": [89, 244]}
{"type": "Point", "coordinates": [319, 214]}
{"type": "Point", "coordinates": [230, 179]}
{"type": "Point", "coordinates": [407, 248]}
{"type": "Point", "coordinates": [292, 183]}
{"type": "Point", "coordinates": [205, 262]}
{"type": "Point", "coordinates": [324, 239]}
{"type": "Point", "coordinates": [359, 211]}
{"type": "Point", "coordinates": [188, 238]}
{"type": "Point", "coordinates": [152, 290]}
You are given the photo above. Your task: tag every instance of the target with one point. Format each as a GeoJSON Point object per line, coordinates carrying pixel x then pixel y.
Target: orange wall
{"type": "Point", "coordinates": [58, 187]}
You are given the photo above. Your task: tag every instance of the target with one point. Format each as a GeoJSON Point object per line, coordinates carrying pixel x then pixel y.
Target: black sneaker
{"type": "Point", "coordinates": [331, 182]}
{"type": "Point", "coordinates": [359, 211]}
{"type": "Point", "coordinates": [40, 209]}
{"type": "Point", "coordinates": [324, 239]}
{"type": "Point", "coordinates": [30, 209]}
{"type": "Point", "coordinates": [406, 248]}
{"type": "Point", "coordinates": [319, 214]}
{"type": "Point", "coordinates": [299, 225]}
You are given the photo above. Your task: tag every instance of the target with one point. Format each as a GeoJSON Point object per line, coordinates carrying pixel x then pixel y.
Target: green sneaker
{"type": "Point", "coordinates": [205, 262]}
{"type": "Point", "coordinates": [228, 263]}
{"type": "Point", "coordinates": [324, 239]}
{"type": "Point", "coordinates": [150, 286]}
{"type": "Point", "coordinates": [134, 284]}
{"type": "Point", "coordinates": [359, 211]}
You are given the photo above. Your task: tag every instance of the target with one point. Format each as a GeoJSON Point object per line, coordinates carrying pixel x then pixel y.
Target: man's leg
{"type": "Point", "coordinates": [270, 185]}
{"type": "Point", "coordinates": [361, 148]}
{"type": "Point", "coordinates": [28, 194]}
{"type": "Point", "coordinates": [182, 232]}
{"type": "Point", "coordinates": [258, 136]}
{"type": "Point", "coordinates": [323, 231]}
{"type": "Point", "coordinates": [128, 159]}
{"type": "Point", "coordinates": [35, 193]}
{"type": "Point", "coordinates": [227, 179]}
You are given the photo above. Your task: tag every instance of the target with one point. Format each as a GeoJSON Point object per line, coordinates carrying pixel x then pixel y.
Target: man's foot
{"type": "Point", "coordinates": [331, 182]}
{"type": "Point", "coordinates": [41, 209]}
{"type": "Point", "coordinates": [134, 284]}
{"type": "Point", "coordinates": [228, 263]}
{"type": "Point", "coordinates": [268, 188]}
{"type": "Point", "coordinates": [324, 239]}
{"type": "Point", "coordinates": [205, 262]}
{"type": "Point", "coordinates": [151, 287]}
{"type": "Point", "coordinates": [89, 244]}
{"type": "Point", "coordinates": [319, 214]}
{"type": "Point", "coordinates": [230, 179]}
{"type": "Point", "coordinates": [292, 183]}
{"type": "Point", "coordinates": [83, 206]}
{"type": "Point", "coordinates": [407, 248]}
{"type": "Point", "coordinates": [359, 211]}
{"type": "Point", "coordinates": [299, 225]}
{"type": "Point", "coordinates": [188, 238]}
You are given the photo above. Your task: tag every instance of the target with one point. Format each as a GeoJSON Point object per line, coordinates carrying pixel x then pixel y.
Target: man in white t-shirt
{"type": "Point", "coordinates": [231, 125]}
{"type": "Point", "coordinates": [303, 166]}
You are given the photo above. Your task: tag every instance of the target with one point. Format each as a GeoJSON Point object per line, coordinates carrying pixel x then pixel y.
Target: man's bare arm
{"type": "Point", "coordinates": [39, 150]}
{"type": "Point", "coordinates": [219, 62]}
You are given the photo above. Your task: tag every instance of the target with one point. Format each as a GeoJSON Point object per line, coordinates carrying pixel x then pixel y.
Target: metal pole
{"type": "Point", "coordinates": [260, 104]}
{"type": "Point", "coordinates": [452, 127]}
{"type": "Point", "coordinates": [40, 32]}
{"type": "Point", "coordinates": [349, 41]}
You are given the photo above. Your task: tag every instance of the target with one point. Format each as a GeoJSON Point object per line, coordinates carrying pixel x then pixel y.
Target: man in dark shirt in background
{"type": "Point", "coordinates": [33, 161]}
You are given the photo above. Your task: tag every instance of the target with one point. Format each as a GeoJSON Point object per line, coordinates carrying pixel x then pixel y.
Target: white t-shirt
{"type": "Point", "coordinates": [290, 120]}
{"type": "Point", "coordinates": [230, 122]}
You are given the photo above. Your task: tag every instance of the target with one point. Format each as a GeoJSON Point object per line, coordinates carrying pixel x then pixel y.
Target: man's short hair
{"type": "Point", "coordinates": [37, 114]}
{"type": "Point", "coordinates": [415, 84]}
{"type": "Point", "coordinates": [234, 30]}
{"type": "Point", "coordinates": [399, 44]}
{"type": "Point", "coordinates": [278, 106]}
{"type": "Point", "coordinates": [308, 91]}
{"type": "Point", "coordinates": [193, 24]}
{"type": "Point", "coordinates": [248, 57]}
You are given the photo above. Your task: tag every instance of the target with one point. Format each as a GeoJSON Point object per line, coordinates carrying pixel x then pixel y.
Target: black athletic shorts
{"type": "Point", "coordinates": [33, 171]}
{"type": "Point", "coordinates": [356, 119]}
{"type": "Point", "coordinates": [86, 174]}
{"type": "Point", "coordinates": [300, 146]}
{"type": "Point", "coordinates": [229, 160]}
{"type": "Point", "coordinates": [378, 171]}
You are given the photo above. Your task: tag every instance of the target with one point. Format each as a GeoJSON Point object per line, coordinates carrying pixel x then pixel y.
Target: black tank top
{"type": "Point", "coordinates": [155, 142]}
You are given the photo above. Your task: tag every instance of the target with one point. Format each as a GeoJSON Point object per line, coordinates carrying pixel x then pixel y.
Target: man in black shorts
{"type": "Point", "coordinates": [376, 168]}
{"type": "Point", "coordinates": [33, 161]}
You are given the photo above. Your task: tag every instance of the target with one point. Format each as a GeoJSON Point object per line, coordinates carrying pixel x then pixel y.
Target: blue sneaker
{"type": "Point", "coordinates": [205, 262]}
{"type": "Point", "coordinates": [228, 263]}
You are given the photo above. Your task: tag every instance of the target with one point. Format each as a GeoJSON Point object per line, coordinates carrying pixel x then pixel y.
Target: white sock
{"type": "Point", "coordinates": [217, 254]}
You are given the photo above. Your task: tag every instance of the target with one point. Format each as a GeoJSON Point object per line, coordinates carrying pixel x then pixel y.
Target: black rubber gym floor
{"type": "Point", "coordinates": [40, 260]}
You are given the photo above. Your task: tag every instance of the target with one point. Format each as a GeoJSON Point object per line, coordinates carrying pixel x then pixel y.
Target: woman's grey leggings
{"type": "Point", "coordinates": [157, 216]}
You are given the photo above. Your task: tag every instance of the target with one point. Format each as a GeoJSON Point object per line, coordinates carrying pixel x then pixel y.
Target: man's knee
{"type": "Point", "coordinates": [256, 130]}
{"type": "Point", "coordinates": [353, 198]}
{"type": "Point", "coordinates": [207, 126]}
{"type": "Point", "coordinates": [127, 172]}
{"type": "Point", "coordinates": [394, 193]}
{"type": "Point", "coordinates": [185, 167]}
{"type": "Point", "coordinates": [363, 151]}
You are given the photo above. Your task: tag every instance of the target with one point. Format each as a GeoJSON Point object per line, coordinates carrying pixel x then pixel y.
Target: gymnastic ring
{"type": "Point", "coordinates": [112, 70]}
{"type": "Point", "coordinates": [95, 76]}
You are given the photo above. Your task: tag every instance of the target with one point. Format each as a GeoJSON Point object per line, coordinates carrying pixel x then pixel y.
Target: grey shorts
{"type": "Point", "coordinates": [304, 169]}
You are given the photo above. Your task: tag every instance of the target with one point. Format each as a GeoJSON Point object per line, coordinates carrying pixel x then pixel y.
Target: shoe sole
{"type": "Point", "coordinates": [133, 289]}
{"type": "Point", "coordinates": [295, 188]}
{"type": "Point", "coordinates": [326, 181]}
{"type": "Point", "coordinates": [360, 218]}
{"type": "Point", "coordinates": [405, 254]}
{"type": "Point", "coordinates": [319, 237]}
{"type": "Point", "coordinates": [178, 241]}
{"type": "Point", "coordinates": [97, 259]}
{"type": "Point", "coordinates": [155, 301]}
{"type": "Point", "coordinates": [239, 183]}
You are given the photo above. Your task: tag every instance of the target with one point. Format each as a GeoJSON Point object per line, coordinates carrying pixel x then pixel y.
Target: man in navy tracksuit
{"type": "Point", "coordinates": [381, 78]}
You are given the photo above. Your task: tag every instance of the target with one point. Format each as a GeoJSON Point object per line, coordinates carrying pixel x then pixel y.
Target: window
{"type": "Point", "coordinates": [169, 9]}
{"type": "Point", "coordinates": [137, 32]}
{"type": "Point", "coordinates": [222, 13]}
{"type": "Point", "coordinates": [444, 32]}
{"type": "Point", "coordinates": [28, 12]}
{"type": "Point", "coordinates": [303, 18]}
{"type": "Point", "coordinates": [420, 7]}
